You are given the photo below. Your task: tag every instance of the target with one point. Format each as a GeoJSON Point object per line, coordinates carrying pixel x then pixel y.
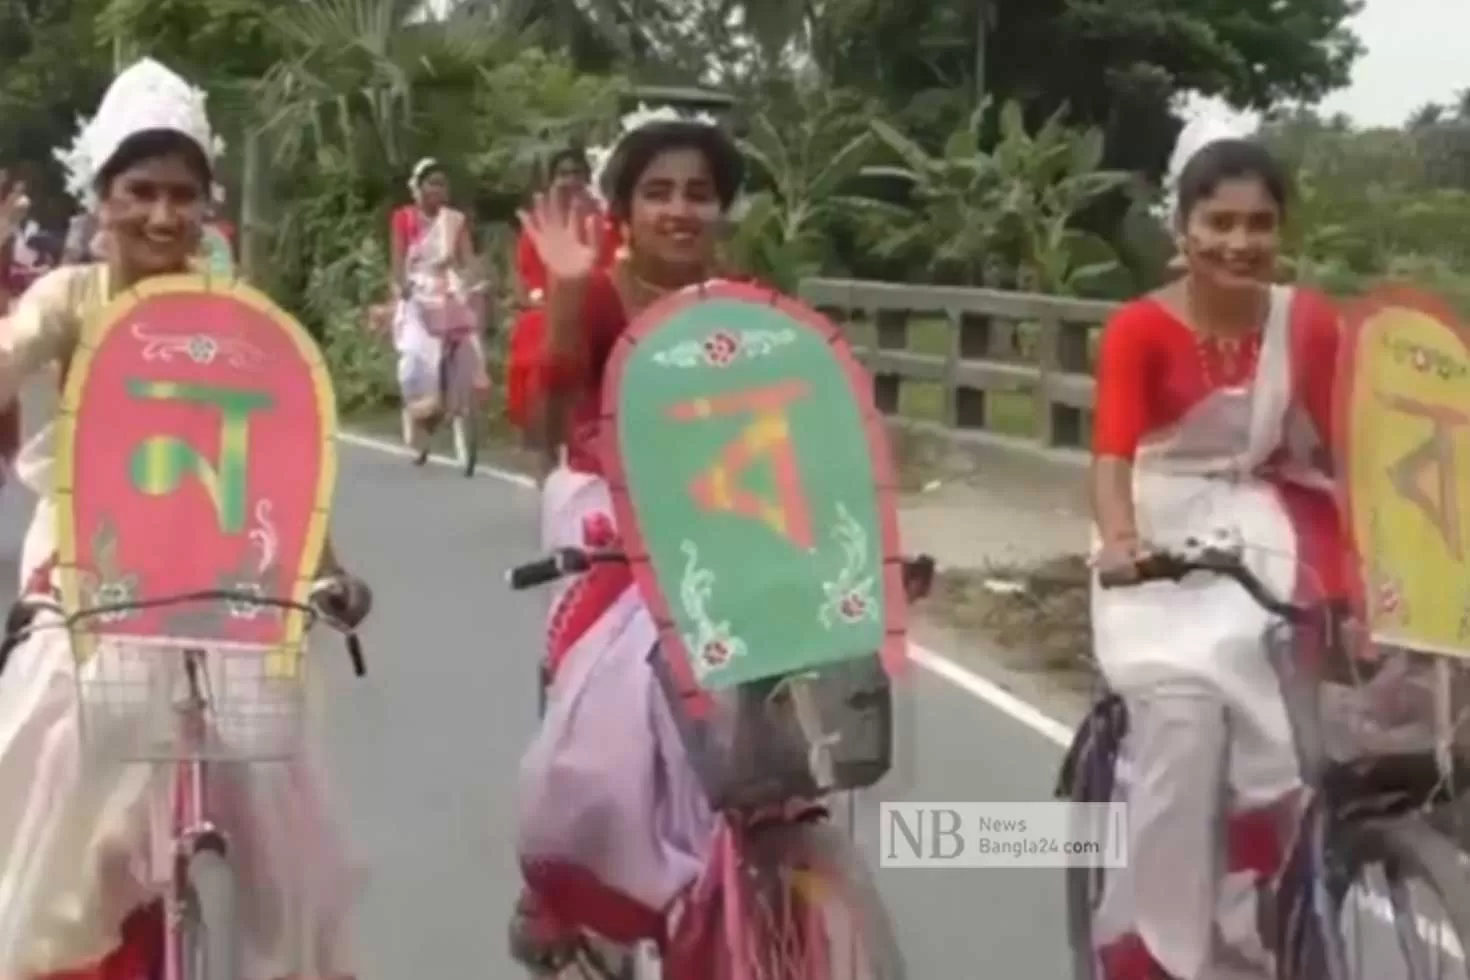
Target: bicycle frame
{"type": "Point", "coordinates": [1338, 793]}
{"type": "Point", "coordinates": [191, 829]}
{"type": "Point", "coordinates": [744, 824]}
{"type": "Point", "coordinates": [456, 378]}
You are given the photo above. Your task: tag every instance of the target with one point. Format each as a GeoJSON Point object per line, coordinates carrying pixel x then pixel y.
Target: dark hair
{"type": "Point", "coordinates": [1235, 159]}
{"type": "Point", "coordinates": [639, 148]}
{"type": "Point", "coordinates": [46, 245]}
{"type": "Point", "coordinates": [569, 155]}
{"type": "Point", "coordinates": [150, 145]}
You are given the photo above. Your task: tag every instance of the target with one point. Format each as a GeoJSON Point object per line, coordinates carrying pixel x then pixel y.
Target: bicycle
{"type": "Point", "coordinates": [459, 402]}
{"type": "Point", "coordinates": [151, 702]}
{"type": "Point", "coordinates": [1369, 812]}
{"type": "Point", "coordinates": [776, 858]}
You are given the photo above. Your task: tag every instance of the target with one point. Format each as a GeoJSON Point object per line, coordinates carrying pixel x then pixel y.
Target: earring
{"type": "Point", "coordinates": [624, 235]}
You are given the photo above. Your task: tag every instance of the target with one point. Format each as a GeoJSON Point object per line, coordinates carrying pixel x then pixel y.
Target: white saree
{"type": "Point", "coordinates": [80, 845]}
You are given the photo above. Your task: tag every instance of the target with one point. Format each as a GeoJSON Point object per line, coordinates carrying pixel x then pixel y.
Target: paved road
{"type": "Point", "coordinates": [427, 746]}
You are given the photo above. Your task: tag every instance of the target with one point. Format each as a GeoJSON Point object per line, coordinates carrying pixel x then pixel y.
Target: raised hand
{"type": "Point", "coordinates": [564, 237]}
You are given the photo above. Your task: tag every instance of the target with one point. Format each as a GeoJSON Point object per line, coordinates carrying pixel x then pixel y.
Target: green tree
{"type": "Point", "coordinates": [55, 67]}
{"type": "Point", "coordinates": [527, 107]}
{"type": "Point", "coordinates": [1118, 64]}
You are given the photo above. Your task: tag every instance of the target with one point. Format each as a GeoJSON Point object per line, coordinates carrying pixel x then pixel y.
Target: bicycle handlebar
{"type": "Point", "coordinates": [20, 622]}
{"type": "Point", "coordinates": [918, 573]}
{"type": "Point", "coordinates": [558, 565]}
{"type": "Point", "coordinates": [1171, 566]}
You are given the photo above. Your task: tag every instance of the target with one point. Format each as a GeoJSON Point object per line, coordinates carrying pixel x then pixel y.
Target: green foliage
{"type": "Point", "coordinates": [1117, 63]}
{"type": "Point", "coordinates": [213, 42]}
{"type": "Point", "coordinates": [1004, 215]}
{"type": "Point", "coordinates": [1373, 205]}
{"type": "Point", "coordinates": [53, 68]}
{"type": "Point", "coordinates": [804, 162]}
{"type": "Point", "coordinates": [338, 248]}
{"type": "Point", "coordinates": [525, 108]}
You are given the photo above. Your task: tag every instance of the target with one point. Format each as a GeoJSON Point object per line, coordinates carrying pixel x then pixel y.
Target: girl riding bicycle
{"type": "Point", "coordinates": [433, 258]}
{"type": "Point", "coordinates": [76, 898]}
{"type": "Point", "coordinates": [1214, 408]}
{"type": "Point", "coordinates": [614, 825]}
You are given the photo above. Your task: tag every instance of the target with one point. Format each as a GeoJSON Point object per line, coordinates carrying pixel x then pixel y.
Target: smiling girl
{"type": "Point", "coordinates": [1214, 407]}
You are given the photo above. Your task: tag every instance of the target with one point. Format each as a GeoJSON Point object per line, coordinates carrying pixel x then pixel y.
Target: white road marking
{"type": "Point", "coordinates": [948, 670]}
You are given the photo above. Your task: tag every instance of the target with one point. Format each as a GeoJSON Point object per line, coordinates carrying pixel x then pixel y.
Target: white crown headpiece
{"type": "Point", "coordinates": [598, 156]}
{"type": "Point", "coordinates": [144, 97]}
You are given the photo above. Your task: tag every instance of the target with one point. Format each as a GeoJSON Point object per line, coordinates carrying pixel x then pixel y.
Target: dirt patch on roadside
{"type": "Point", "coordinates": [1038, 614]}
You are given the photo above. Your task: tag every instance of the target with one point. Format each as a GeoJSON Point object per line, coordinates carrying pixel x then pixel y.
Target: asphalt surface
{"type": "Point", "coordinates": [426, 747]}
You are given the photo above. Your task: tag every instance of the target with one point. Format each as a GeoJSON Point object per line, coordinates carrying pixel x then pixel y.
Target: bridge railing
{"type": "Point", "coordinates": [975, 362]}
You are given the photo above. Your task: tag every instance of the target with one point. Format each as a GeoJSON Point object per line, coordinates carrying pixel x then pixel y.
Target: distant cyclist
{"type": "Point", "coordinates": [433, 267]}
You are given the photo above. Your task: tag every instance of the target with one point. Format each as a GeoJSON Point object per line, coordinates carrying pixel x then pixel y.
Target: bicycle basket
{"type": "Point", "coordinates": [1360, 702]}
{"type": "Point", "coordinates": [751, 749]}
{"type": "Point", "coordinates": [136, 702]}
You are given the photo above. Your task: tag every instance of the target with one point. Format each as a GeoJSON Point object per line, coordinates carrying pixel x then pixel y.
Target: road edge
{"type": "Point", "coordinates": [936, 663]}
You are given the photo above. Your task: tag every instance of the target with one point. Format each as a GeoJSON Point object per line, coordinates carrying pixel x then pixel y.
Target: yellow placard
{"type": "Point", "coordinates": [1406, 453]}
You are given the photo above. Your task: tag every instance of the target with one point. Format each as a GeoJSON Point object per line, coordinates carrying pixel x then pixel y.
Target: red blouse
{"type": "Point", "coordinates": [1152, 369]}
{"type": "Point", "coordinates": [603, 322]}
{"type": "Point", "coordinates": [409, 223]}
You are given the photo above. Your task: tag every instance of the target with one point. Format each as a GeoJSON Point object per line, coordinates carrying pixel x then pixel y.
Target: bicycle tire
{"type": "Point", "coordinates": [467, 440]}
{"type": "Point", "coordinates": [826, 850]}
{"type": "Point", "coordinates": [211, 941]}
{"type": "Point", "coordinates": [1087, 777]}
{"type": "Point", "coordinates": [1420, 853]}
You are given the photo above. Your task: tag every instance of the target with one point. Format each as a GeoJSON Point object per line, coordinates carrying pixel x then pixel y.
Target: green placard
{"type": "Point", "coordinates": [747, 463]}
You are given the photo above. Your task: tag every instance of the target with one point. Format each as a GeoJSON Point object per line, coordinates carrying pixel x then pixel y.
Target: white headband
{"type": "Point", "coordinates": [146, 97]}
{"type": "Point", "coordinates": [416, 177]}
{"type": "Point", "coordinates": [598, 156]}
{"type": "Point", "coordinates": [1198, 133]}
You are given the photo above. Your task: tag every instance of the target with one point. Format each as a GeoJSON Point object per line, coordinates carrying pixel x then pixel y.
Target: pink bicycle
{"type": "Point", "coordinates": [785, 895]}
{"type": "Point", "coordinates": [192, 709]}
{"type": "Point", "coordinates": [459, 369]}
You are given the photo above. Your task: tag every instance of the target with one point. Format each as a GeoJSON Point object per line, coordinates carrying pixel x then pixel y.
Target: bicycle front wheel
{"type": "Point", "coordinates": [813, 911]}
{"type": "Point", "coordinates": [1409, 901]}
{"type": "Point", "coordinates": [467, 440]}
{"type": "Point", "coordinates": [209, 942]}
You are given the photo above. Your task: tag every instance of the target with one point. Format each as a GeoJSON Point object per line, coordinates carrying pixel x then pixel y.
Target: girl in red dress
{"type": "Point", "coordinates": [608, 765]}
{"type": "Point", "coordinates": [1214, 412]}
{"type": "Point", "coordinates": [570, 173]}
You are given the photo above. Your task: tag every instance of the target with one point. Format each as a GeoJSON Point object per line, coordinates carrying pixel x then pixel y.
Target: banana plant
{"type": "Point", "coordinates": [805, 165]}
{"type": "Point", "coordinates": [1004, 214]}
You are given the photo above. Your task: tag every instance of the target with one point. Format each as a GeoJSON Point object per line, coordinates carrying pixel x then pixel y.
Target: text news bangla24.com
{"type": "Point", "coordinates": [1003, 835]}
